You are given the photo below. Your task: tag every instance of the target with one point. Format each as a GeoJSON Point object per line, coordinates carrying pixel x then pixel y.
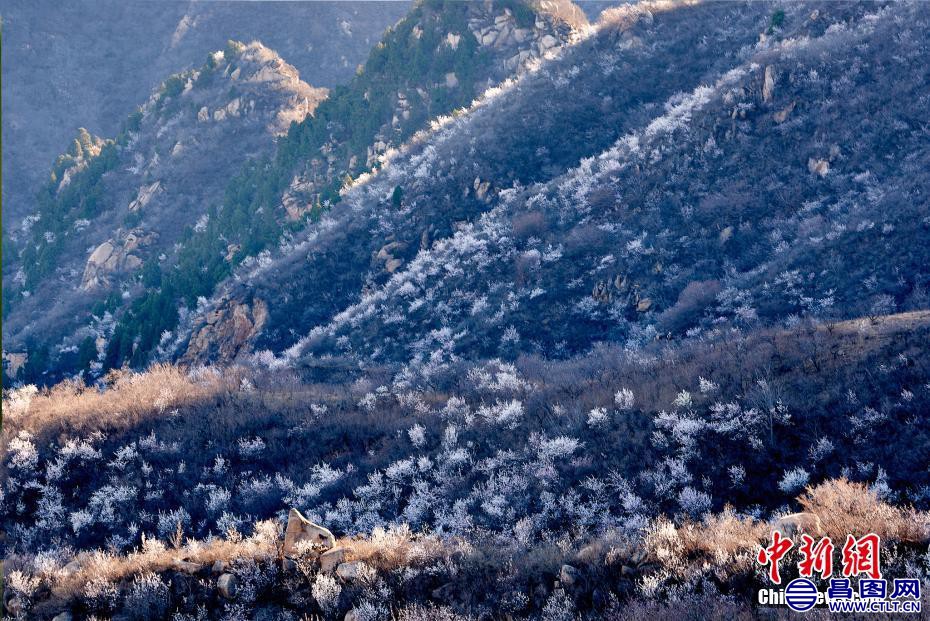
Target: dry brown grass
{"type": "Point", "coordinates": [723, 535]}
{"type": "Point", "coordinates": [852, 508]}
{"type": "Point", "coordinates": [129, 399]}
{"type": "Point", "coordinates": [724, 544]}
{"type": "Point", "coordinates": [69, 581]}
{"type": "Point", "coordinates": [728, 543]}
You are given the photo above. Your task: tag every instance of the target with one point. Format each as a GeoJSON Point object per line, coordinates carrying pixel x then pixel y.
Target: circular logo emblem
{"type": "Point", "coordinates": [800, 595]}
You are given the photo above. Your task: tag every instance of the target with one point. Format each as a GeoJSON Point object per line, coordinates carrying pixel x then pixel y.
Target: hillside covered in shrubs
{"type": "Point", "coordinates": [532, 319]}
{"type": "Point", "coordinates": [222, 163]}
{"type": "Point", "coordinates": [495, 472]}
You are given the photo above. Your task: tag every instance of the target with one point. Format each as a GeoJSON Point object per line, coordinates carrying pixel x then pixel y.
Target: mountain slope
{"type": "Point", "coordinates": [113, 211]}
{"type": "Point", "coordinates": [572, 352]}
{"type": "Point", "coordinates": [435, 52]}
{"type": "Point", "coordinates": [660, 234]}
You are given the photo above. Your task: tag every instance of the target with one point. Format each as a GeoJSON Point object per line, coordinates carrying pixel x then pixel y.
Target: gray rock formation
{"type": "Point", "coordinates": [301, 531]}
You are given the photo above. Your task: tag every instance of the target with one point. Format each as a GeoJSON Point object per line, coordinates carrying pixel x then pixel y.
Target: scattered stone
{"type": "Point", "coordinates": [218, 567]}
{"type": "Point", "coordinates": [726, 234]}
{"type": "Point", "coordinates": [451, 80]}
{"type": "Point", "coordinates": [601, 292]}
{"type": "Point", "coordinates": [818, 167]}
{"type": "Point", "coordinates": [644, 305]}
{"type": "Point", "coordinates": [63, 616]}
{"type": "Point", "coordinates": [144, 195]}
{"type": "Point", "coordinates": [799, 523]}
{"type": "Point", "coordinates": [288, 565]}
{"type": "Point", "coordinates": [330, 559]}
{"type": "Point", "coordinates": [782, 114]}
{"type": "Point", "coordinates": [568, 575]}
{"type": "Point", "coordinates": [187, 567]}
{"type": "Point", "coordinates": [768, 84]}
{"type": "Point", "coordinates": [351, 571]}
{"type": "Point", "coordinates": [14, 606]}
{"type": "Point", "coordinates": [300, 529]}
{"type": "Point", "coordinates": [227, 584]}
{"type": "Point", "coordinates": [231, 251]}
{"type": "Point", "coordinates": [352, 615]}
{"type": "Point", "coordinates": [481, 188]}
{"type": "Point", "coordinates": [232, 108]}
{"type": "Point", "coordinates": [547, 41]}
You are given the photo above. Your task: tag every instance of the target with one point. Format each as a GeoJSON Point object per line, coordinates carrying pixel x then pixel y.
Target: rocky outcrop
{"type": "Point", "coordinates": [510, 44]}
{"type": "Point", "coordinates": [261, 71]}
{"type": "Point", "coordinates": [84, 149]}
{"type": "Point", "coordinates": [146, 193]}
{"type": "Point", "coordinates": [13, 362]}
{"type": "Point", "coordinates": [521, 42]}
{"type": "Point", "coordinates": [302, 532]}
{"type": "Point", "coordinates": [227, 331]}
{"type": "Point", "coordinates": [114, 256]}
{"type": "Point", "coordinates": [386, 256]}
{"type": "Point", "coordinates": [768, 84]}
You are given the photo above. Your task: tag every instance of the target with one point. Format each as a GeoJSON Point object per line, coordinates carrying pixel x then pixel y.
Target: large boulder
{"type": "Point", "coordinates": [300, 530]}
{"type": "Point", "coordinates": [330, 559]}
{"type": "Point", "coordinates": [227, 585]}
{"type": "Point", "coordinates": [818, 166]}
{"type": "Point", "coordinates": [797, 524]}
{"type": "Point", "coordinates": [113, 256]}
{"type": "Point", "coordinates": [568, 575]}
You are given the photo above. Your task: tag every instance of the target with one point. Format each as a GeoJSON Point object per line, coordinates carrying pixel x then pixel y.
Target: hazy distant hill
{"type": "Point", "coordinates": [88, 63]}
